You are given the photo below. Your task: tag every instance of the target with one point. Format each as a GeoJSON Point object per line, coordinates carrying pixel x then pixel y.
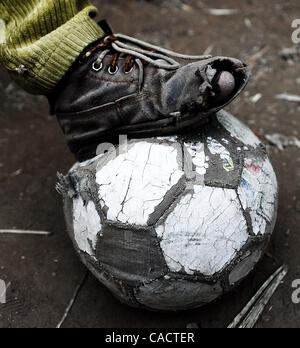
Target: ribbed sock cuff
{"type": "Point", "coordinates": [48, 59]}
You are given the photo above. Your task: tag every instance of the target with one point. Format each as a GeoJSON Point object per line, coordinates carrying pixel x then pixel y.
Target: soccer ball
{"type": "Point", "coordinates": [173, 223]}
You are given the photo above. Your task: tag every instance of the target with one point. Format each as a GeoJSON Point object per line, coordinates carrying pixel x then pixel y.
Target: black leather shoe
{"type": "Point", "coordinates": [121, 85]}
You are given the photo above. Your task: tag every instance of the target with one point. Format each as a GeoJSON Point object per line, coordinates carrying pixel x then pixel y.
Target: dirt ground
{"type": "Point", "coordinates": [44, 271]}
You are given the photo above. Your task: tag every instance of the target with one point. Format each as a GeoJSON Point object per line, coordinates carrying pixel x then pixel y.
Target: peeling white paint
{"type": "Point", "coordinates": [237, 129]}
{"type": "Point", "coordinates": [204, 232]}
{"type": "Point", "coordinates": [197, 152]}
{"type": "Point", "coordinates": [177, 295]}
{"type": "Point", "coordinates": [133, 184]}
{"type": "Point", "coordinates": [87, 225]}
{"type": "Point", "coordinates": [87, 163]}
{"type": "Point", "coordinates": [258, 193]}
{"type": "Point", "coordinates": [216, 148]}
{"type": "Point", "coordinates": [270, 191]}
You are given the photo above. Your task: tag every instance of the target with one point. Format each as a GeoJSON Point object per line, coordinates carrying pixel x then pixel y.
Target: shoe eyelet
{"type": "Point", "coordinates": [129, 71]}
{"type": "Point", "coordinates": [96, 66]}
{"type": "Point", "coordinates": [113, 72]}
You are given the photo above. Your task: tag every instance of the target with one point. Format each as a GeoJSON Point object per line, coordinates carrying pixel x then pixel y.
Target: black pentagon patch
{"type": "Point", "coordinates": [226, 158]}
{"type": "Point", "coordinates": [131, 255]}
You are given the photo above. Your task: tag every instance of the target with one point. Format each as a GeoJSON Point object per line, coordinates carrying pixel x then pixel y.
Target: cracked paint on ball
{"type": "Point", "coordinates": [87, 225]}
{"type": "Point", "coordinates": [198, 157]}
{"type": "Point", "coordinates": [178, 228]}
{"type": "Point", "coordinates": [133, 184]}
{"type": "Point", "coordinates": [217, 148]}
{"type": "Point", "coordinates": [204, 231]}
{"type": "Point", "coordinates": [258, 193]}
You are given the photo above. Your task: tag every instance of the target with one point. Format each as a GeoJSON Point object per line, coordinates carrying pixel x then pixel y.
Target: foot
{"type": "Point", "coordinates": [124, 86]}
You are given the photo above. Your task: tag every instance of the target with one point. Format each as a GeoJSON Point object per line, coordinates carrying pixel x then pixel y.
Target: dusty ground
{"type": "Point", "coordinates": [45, 271]}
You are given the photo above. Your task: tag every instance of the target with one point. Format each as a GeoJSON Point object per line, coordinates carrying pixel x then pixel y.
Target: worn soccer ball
{"type": "Point", "coordinates": [174, 223]}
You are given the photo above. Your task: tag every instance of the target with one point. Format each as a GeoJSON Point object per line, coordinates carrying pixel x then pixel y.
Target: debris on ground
{"type": "Point", "coordinates": [221, 11]}
{"type": "Point", "coordinates": [26, 232]}
{"type": "Point", "coordinates": [256, 98]}
{"type": "Point", "coordinates": [208, 51]}
{"type": "Point", "coordinates": [248, 23]}
{"type": "Point", "coordinates": [16, 173]}
{"type": "Point", "coordinates": [252, 60]}
{"type": "Point", "coordinates": [250, 315]}
{"type": "Point", "coordinates": [73, 299]}
{"type": "Point", "coordinates": [174, 4]}
{"type": "Point", "coordinates": [291, 54]}
{"type": "Point", "coordinates": [282, 141]}
{"type": "Point", "coordinates": [288, 97]}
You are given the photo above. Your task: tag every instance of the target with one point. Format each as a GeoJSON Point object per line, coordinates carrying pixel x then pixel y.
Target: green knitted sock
{"type": "Point", "coordinates": [41, 39]}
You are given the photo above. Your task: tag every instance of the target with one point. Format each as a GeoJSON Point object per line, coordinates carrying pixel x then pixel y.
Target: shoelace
{"type": "Point", "coordinates": [143, 51]}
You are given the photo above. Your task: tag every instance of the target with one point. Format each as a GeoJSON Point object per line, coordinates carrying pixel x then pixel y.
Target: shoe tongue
{"type": "Point", "coordinates": [103, 24]}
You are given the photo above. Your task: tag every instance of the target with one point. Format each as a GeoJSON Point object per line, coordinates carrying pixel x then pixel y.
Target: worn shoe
{"type": "Point", "coordinates": [122, 85]}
